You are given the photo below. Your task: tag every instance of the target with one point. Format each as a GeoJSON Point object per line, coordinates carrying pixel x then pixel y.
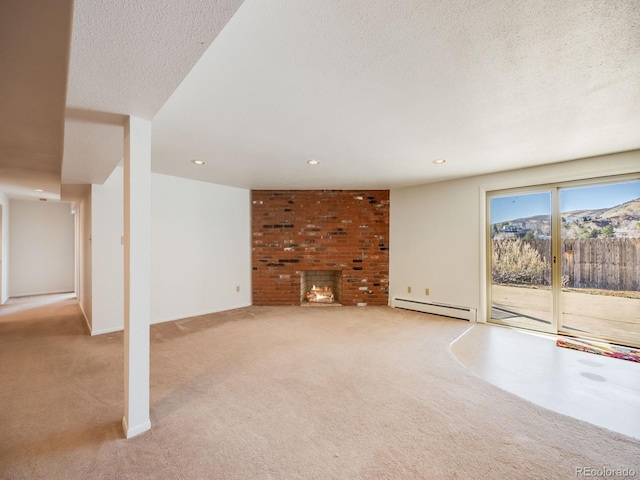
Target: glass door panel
{"type": "Point", "coordinates": [520, 260]}
{"type": "Point", "coordinates": [600, 261]}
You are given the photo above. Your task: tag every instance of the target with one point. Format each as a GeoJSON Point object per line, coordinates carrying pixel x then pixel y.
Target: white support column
{"type": "Point", "coordinates": [137, 276]}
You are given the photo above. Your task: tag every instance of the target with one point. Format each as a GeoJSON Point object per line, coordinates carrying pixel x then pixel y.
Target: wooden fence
{"type": "Point", "coordinates": [605, 263]}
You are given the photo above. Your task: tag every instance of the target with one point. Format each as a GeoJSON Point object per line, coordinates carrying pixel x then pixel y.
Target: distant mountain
{"type": "Point", "coordinates": [577, 215]}
{"type": "Point", "coordinates": [620, 221]}
{"type": "Point", "coordinates": [629, 210]}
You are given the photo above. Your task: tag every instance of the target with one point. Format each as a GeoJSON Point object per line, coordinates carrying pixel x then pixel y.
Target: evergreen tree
{"type": "Point", "coordinates": [608, 231]}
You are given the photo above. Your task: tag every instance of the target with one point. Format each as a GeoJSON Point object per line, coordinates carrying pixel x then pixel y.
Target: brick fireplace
{"type": "Point", "coordinates": [344, 232]}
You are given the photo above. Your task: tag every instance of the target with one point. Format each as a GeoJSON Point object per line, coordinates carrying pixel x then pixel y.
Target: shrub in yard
{"type": "Point", "coordinates": [608, 231]}
{"type": "Point", "coordinates": [589, 233]}
{"type": "Point", "coordinates": [516, 262]}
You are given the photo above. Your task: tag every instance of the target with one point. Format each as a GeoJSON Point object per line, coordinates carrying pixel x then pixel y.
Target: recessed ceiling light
{"type": "Point", "coordinates": [313, 162]}
{"type": "Point", "coordinates": [38, 190]}
{"type": "Point", "coordinates": [197, 162]}
{"type": "Point", "coordinates": [439, 162]}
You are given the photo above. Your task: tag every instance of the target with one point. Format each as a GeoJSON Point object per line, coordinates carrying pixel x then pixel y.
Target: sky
{"type": "Point", "coordinates": [581, 198]}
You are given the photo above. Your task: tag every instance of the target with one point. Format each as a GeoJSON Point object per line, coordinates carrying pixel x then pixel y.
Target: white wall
{"type": "Point", "coordinates": [107, 264]}
{"type": "Point", "coordinates": [4, 249]}
{"type": "Point", "coordinates": [200, 250]}
{"type": "Point", "coordinates": [437, 230]}
{"type": "Point", "coordinates": [84, 258]}
{"type": "Point", "coordinates": [433, 242]}
{"type": "Point", "coordinates": [41, 251]}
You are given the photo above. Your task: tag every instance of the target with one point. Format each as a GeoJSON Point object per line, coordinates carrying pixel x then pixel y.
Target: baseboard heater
{"type": "Point", "coordinates": [463, 313]}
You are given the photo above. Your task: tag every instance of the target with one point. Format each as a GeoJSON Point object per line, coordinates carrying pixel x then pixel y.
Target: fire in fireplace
{"type": "Point", "coordinates": [320, 287]}
{"type": "Point", "coordinates": [320, 295]}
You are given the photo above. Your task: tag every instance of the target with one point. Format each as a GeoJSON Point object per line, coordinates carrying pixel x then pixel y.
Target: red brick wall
{"type": "Point", "coordinates": [296, 230]}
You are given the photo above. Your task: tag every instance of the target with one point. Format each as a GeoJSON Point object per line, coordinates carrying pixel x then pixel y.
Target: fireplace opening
{"type": "Point", "coordinates": [321, 287]}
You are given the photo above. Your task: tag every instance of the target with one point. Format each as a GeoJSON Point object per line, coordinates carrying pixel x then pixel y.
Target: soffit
{"type": "Point", "coordinates": [126, 59]}
{"type": "Point", "coordinates": [34, 56]}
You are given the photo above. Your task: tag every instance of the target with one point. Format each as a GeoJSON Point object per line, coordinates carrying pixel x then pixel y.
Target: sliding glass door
{"type": "Point", "coordinates": [600, 244]}
{"type": "Point", "coordinates": [520, 258]}
{"type": "Point", "coordinates": [567, 259]}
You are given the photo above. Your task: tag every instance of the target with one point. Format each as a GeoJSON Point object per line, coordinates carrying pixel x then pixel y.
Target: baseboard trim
{"type": "Point", "coordinates": [53, 292]}
{"type": "Point", "coordinates": [170, 319]}
{"type": "Point", "coordinates": [197, 314]}
{"type": "Point", "coordinates": [137, 430]}
{"type": "Point", "coordinates": [107, 330]}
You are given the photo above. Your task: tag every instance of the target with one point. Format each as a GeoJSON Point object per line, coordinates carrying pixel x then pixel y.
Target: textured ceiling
{"type": "Point", "coordinates": [127, 58]}
{"type": "Point", "coordinates": [34, 55]}
{"type": "Point", "coordinates": [377, 90]}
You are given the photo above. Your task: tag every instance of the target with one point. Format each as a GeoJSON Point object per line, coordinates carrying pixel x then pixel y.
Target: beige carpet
{"type": "Point", "coordinates": [277, 393]}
